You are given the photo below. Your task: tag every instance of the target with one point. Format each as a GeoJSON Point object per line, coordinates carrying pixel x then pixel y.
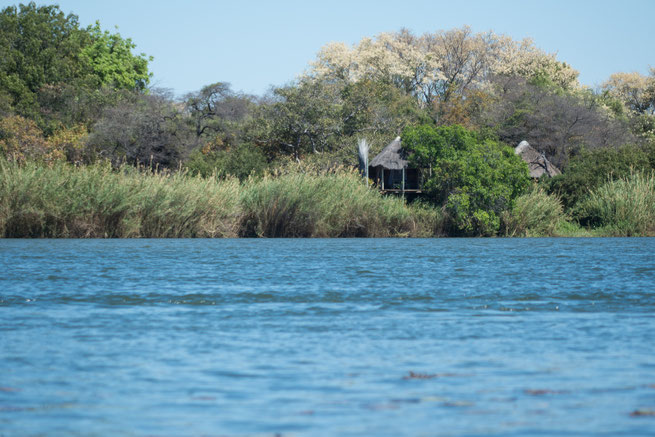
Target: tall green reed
{"type": "Point", "coordinates": [623, 207]}
{"type": "Point", "coordinates": [98, 201]}
{"type": "Point", "coordinates": [535, 214]}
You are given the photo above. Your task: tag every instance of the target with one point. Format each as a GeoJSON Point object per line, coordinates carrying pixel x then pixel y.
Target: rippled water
{"type": "Point", "coordinates": [327, 337]}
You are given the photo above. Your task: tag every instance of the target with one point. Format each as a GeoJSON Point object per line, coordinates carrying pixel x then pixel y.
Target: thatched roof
{"type": "Point", "coordinates": [392, 157]}
{"type": "Point", "coordinates": [536, 161]}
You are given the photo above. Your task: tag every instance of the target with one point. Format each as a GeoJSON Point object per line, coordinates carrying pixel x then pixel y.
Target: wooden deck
{"type": "Point", "coordinates": [399, 191]}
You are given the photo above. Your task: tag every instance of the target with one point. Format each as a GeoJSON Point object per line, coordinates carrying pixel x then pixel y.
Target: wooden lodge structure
{"type": "Point", "coordinates": [391, 172]}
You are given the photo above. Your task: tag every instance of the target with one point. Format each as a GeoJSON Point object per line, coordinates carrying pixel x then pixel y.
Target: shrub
{"type": "Point", "coordinates": [622, 207]}
{"type": "Point", "coordinates": [474, 179]}
{"type": "Point", "coordinates": [241, 162]}
{"type": "Point", "coordinates": [592, 168]}
{"type": "Point", "coordinates": [535, 214]}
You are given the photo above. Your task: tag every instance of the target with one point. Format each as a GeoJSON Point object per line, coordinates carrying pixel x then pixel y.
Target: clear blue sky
{"type": "Point", "coordinates": [256, 44]}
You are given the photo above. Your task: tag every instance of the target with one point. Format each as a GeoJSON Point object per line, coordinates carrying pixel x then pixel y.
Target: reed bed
{"type": "Point", "coordinates": [100, 202]}
{"type": "Point", "coordinates": [623, 207]}
{"type": "Point", "coordinates": [535, 214]}
{"type": "Point", "coordinates": [325, 204]}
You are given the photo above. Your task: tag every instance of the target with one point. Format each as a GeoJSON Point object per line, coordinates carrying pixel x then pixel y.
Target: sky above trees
{"type": "Point", "coordinates": [256, 44]}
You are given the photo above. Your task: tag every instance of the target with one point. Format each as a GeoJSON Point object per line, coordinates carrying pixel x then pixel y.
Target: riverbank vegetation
{"type": "Point", "coordinates": [61, 200]}
{"type": "Point", "coordinates": [89, 149]}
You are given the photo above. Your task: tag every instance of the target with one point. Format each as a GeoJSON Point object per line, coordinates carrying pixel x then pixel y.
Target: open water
{"type": "Point", "coordinates": [327, 337]}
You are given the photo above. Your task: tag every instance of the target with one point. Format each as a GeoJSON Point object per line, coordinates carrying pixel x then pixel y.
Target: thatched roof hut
{"type": "Point", "coordinates": [536, 161]}
{"type": "Point", "coordinates": [392, 157]}
{"type": "Point", "coordinates": [390, 170]}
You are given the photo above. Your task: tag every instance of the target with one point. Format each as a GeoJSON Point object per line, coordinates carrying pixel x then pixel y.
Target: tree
{"type": "Point", "coordinates": [557, 123]}
{"type": "Point", "coordinates": [21, 139]}
{"type": "Point", "coordinates": [40, 46]}
{"type": "Point", "coordinates": [436, 67]}
{"type": "Point", "coordinates": [146, 130]}
{"type": "Point", "coordinates": [473, 178]}
{"type": "Point", "coordinates": [240, 161]}
{"type": "Point", "coordinates": [110, 58]}
{"type": "Point", "coordinates": [635, 91]}
{"type": "Point", "coordinates": [300, 119]}
{"type": "Point", "coordinates": [216, 109]}
{"type": "Point", "coordinates": [591, 168]}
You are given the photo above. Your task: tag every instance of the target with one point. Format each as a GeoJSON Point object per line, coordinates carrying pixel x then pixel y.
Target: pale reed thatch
{"type": "Point", "coordinates": [392, 157]}
{"type": "Point", "coordinates": [536, 161]}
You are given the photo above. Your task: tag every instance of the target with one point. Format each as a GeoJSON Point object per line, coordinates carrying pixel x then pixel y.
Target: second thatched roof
{"type": "Point", "coordinates": [536, 161]}
{"type": "Point", "coordinates": [392, 157]}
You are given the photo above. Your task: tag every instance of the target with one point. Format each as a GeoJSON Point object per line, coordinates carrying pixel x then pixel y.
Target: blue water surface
{"type": "Point", "coordinates": [311, 337]}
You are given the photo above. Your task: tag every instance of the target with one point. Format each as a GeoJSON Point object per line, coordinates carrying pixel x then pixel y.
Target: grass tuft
{"type": "Point", "coordinates": [623, 207]}
{"type": "Point", "coordinates": [535, 214]}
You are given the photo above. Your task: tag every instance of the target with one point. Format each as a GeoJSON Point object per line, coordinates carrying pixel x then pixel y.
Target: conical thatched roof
{"type": "Point", "coordinates": [536, 161]}
{"type": "Point", "coordinates": [392, 157]}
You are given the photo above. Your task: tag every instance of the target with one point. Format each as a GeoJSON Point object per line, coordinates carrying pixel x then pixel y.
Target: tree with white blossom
{"type": "Point", "coordinates": [437, 66]}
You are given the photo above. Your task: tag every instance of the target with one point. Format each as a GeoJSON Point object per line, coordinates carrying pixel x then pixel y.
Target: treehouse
{"type": "Point", "coordinates": [391, 171]}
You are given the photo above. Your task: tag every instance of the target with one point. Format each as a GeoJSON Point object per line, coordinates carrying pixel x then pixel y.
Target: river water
{"type": "Point", "coordinates": [374, 337]}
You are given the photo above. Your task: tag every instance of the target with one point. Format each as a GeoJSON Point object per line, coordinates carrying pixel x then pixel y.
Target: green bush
{"type": "Point", "coordinates": [592, 168]}
{"type": "Point", "coordinates": [535, 214]}
{"type": "Point", "coordinates": [241, 162]}
{"type": "Point", "coordinates": [621, 207]}
{"type": "Point", "coordinates": [474, 179]}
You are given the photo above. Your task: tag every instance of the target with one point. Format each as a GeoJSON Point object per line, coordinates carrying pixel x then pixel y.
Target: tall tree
{"type": "Point", "coordinates": [216, 109]}
{"type": "Point", "coordinates": [438, 66]}
{"type": "Point", "coordinates": [146, 130]}
{"type": "Point", "coordinates": [635, 91]}
{"type": "Point", "coordinates": [40, 46]}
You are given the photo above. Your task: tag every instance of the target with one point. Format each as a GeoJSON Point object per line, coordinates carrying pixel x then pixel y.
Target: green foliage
{"type": "Point", "coordinates": [328, 117]}
{"type": "Point", "coordinates": [622, 207]}
{"type": "Point", "coordinates": [40, 46]}
{"type": "Point", "coordinates": [302, 119]}
{"type": "Point", "coordinates": [241, 162]}
{"type": "Point", "coordinates": [111, 61]}
{"type": "Point", "coordinates": [535, 214]}
{"type": "Point", "coordinates": [591, 168]}
{"type": "Point", "coordinates": [474, 179]}
{"type": "Point", "coordinates": [643, 126]}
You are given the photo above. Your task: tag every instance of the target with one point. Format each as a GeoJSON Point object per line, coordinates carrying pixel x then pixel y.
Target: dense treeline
{"type": "Point", "coordinates": [459, 100]}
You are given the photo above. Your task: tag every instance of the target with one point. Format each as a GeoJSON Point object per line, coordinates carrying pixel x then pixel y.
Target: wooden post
{"type": "Point", "coordinates": [403, 182]}
{"type": "Point", "coordinates": [382, 178]}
